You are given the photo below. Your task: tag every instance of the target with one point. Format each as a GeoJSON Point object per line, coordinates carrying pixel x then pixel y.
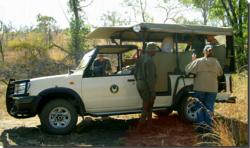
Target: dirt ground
{"type": "Point", "coordinates": [110, 131]}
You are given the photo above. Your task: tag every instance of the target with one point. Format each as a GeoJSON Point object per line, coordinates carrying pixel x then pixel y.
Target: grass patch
{"type": "Point", "coordinates": [3, 111]}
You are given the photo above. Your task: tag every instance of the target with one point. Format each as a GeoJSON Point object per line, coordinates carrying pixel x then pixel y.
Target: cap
{"type": "Point", "coordinates": [151, 46]}
{"type": "Point", "coordinates": [207, 47]}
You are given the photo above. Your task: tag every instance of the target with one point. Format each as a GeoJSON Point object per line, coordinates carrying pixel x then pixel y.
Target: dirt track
{"type": "Point", "coordinates": [113, 131]}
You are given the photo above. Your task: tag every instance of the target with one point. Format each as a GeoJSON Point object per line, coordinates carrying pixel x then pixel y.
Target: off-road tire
{"type": "Point", "coordinates": [46, 117]}
{"type": "Point", "coordinates": [185, 109]}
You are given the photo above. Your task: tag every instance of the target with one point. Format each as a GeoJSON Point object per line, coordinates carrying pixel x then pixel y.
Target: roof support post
{"type": "Point", "coordinates": [176, 53]}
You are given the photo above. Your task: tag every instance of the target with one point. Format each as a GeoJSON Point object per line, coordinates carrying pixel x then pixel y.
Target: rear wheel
{"type": "Point", "coordinates": [58, 117]}
{"type": "Point", "coordinates": [187, 109]}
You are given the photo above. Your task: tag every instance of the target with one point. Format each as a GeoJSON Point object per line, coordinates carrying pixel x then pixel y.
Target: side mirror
{"type": "Point", "coordinates": [70, 71]}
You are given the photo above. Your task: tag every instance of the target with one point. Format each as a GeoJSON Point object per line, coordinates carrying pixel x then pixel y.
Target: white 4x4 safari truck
{"type": "Point", "coordinates": [59, 99]}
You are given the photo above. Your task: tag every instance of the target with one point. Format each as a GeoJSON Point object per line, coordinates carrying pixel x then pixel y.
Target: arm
{"type": "Point", "coordinates": [192, 67]}
{"type": "Point", "coordinates": [150, 75]}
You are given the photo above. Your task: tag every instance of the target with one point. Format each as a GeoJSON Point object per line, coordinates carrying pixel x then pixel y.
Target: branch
{"type": "Point", "coordinates": [61, 48]}
{"type": "Point", "coordinates": [169, 11]}
{"type": "Point", "coordinates": [227, 11]}
{"type": "Point", "coordinates": [232, 10]}
{"type": "Point", "coordinates": [88, 4]}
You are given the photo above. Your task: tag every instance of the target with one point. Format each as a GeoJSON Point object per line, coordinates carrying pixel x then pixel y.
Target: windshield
{"type": "Point", "coordinates": [85, 59]}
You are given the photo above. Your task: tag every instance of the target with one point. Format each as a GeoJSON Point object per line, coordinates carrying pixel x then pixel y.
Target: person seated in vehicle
{"type": "Point", "coordinates": [102, 66]}
{"type": "Point", "coordinates": [189, 46]}
{"type": "Point", "coordinates": [167, 44]}
{"type": "Point", "coordinates": [212, 40]}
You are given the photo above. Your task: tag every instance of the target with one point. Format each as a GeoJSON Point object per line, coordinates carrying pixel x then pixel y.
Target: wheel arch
{"type": "Point", "coordinates": [66, 93]}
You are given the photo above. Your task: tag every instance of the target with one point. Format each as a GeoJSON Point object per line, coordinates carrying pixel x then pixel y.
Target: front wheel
{"type": "Point", "coordinates": [187, 109]}
{"type": "Point", "coordinates": [58, 117]}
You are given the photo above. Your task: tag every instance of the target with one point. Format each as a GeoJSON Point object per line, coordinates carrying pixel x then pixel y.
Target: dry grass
{"type": "Point", "coordinates": [2, 100]}
{"type": "Point", "coordinates": [233, 118]}
{"type": "Point", "coordinates": [239, 110]}
{"type": "Point", "coordinates": [56, 54]}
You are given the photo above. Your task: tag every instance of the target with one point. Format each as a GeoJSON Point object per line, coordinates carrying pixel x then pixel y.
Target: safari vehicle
{"type": "Point", "coordinates": [59, 99]}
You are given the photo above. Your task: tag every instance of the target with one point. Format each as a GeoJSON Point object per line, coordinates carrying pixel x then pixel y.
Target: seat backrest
{"type": "Point", "coordinates": [184, 59]}
{"type": "Point", "coordinates": [165, 63]}
{"type": "Point", "coordinates": [220, 54]}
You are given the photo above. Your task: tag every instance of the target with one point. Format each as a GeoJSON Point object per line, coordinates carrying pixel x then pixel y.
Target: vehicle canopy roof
{"type": "Point", "coordinates": [155, 32]}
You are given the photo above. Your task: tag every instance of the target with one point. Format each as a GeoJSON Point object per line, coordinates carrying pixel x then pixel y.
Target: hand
{"type": "Point", "coordinates": [193, 57]}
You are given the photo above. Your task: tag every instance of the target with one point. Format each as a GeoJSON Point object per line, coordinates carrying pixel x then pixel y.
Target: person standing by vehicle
{"type": "Point", "coordinates": [145, 76]}
{"type": "Point", "coordinates": [207, 69]}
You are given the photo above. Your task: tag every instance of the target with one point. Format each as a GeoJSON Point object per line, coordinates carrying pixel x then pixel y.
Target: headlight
{"type": "Point", "coordinates": [21, 88]}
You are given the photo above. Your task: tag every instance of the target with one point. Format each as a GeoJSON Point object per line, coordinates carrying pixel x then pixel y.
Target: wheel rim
{"type": "Point", "coordinates": [59, 117]}
{"type": "Point", "coordinates": [191, 112]}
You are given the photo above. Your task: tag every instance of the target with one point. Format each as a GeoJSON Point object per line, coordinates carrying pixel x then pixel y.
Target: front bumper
{"type": "Point", "coordinates": [20, 106]}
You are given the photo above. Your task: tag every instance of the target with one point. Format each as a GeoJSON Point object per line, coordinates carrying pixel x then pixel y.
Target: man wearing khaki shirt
{"type": "Point", "coordinates": [207, 69]}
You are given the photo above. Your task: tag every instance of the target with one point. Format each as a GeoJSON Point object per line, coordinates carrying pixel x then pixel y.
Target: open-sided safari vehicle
{"type": "Point", "coordinates": [59, 99]}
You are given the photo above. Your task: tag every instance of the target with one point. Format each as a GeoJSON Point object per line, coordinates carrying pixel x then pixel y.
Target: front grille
{"type": "Point", "coordinates": [9, 93]}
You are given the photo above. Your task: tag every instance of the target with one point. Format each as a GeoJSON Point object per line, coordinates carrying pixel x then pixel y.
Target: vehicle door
{"type": "Point", "coordinates": [114, 92]}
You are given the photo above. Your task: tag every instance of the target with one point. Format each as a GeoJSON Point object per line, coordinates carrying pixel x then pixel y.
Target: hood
{"type": "Point", "coordinates": [50, 78]}
{"type": "Point", "coordinates": [72, 81]}
{"type": "Point", "coordinates": [57, 77]}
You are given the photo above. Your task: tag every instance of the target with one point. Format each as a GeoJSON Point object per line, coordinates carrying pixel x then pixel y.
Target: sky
{"type": "Point", "coordinates": [24, 12]}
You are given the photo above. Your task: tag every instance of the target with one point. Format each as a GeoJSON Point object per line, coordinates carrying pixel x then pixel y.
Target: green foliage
{"type": "Point", "coordinates": [217, 12]}
{"type": "Point", "coordinates": [183, 20]}
{"type": "Point", "coordinates": [33, 45]}
{"type": "Point", "coordinates": [78, 31]}
{"type": "Point", "coordinates": [203, 5]}
{"type": "Point", "coordinates": [237, 14]}
{"type": "Point", "coordinates": [45, 23]}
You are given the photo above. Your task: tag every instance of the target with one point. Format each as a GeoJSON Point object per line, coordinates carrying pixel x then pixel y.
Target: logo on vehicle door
{"type": "Point", "coordinates": [114, 88]}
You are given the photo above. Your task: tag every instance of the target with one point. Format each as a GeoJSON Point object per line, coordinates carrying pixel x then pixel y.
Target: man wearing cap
{"type": "Point", "coordinates": [207, 69]}
{"type": "Point", "coordinates": [145, 75]}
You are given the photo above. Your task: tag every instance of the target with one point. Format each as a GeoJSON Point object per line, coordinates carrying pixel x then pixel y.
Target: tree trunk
{"type": "Point", "coordinates": [1, 51]}
{"type": "Point", "coordinates": [143, 11]}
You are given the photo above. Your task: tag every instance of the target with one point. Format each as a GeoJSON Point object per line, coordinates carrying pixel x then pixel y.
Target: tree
{"type": "Point", "coordinates": [172, 10]}
{"type": "Point", "coordinates": [218, 14]}
{"type": "Point", "coordinates": [183, 20]}
{"type": "Point", "coordinates": [203, 5]}
{"type": "Point", "coordinates": [112, 18]}
{"type": "Point", "coordinates": [139, 7]}
{"type": "Point", "coordinates": [4, 34]}
{"type": "Point", "coordinates": [78, 30]}
{"type": "Point", "coordinates": [46, 25]}
{"type": "Point", "coordinates": [1, 40]}
{"type": "Point", "coordinates": [237, 15]}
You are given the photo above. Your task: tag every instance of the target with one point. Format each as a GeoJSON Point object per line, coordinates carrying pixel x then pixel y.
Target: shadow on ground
{"type": "Point", "coordinates": [108, 132]}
